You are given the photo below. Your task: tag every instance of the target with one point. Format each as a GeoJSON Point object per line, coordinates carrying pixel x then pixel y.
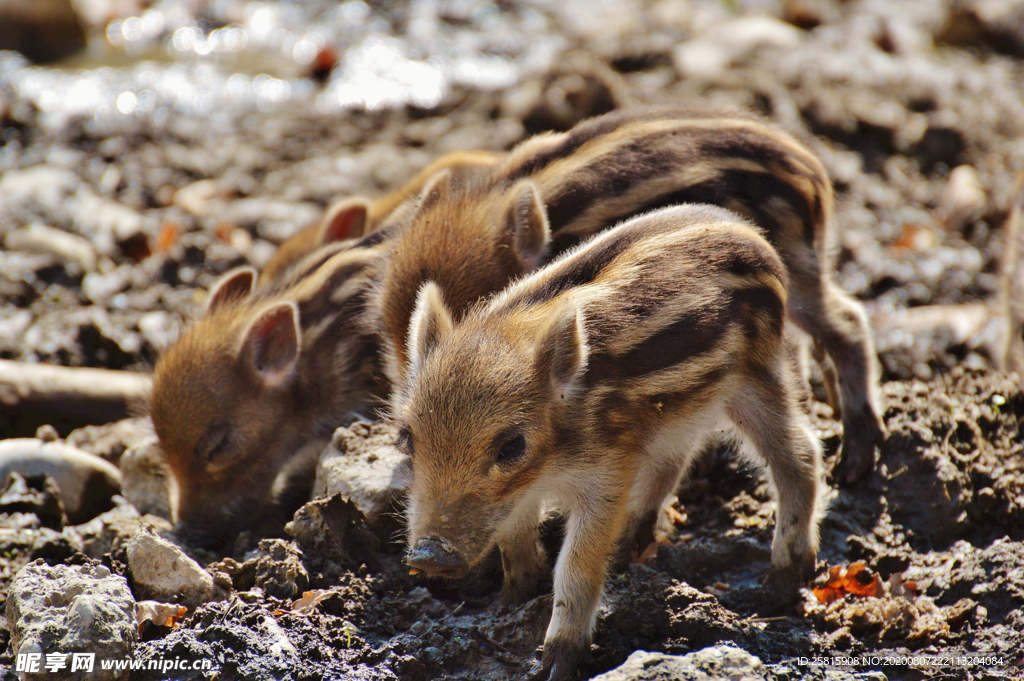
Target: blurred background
{"type": "Point", "coordinates": [147, 147]}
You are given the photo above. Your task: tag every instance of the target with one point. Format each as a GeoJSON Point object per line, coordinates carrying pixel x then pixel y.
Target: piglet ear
{"type": "Point", "coordinates": [234, 286]}
{"type": "Point", "coordinates": [527, 225]}
{"type": "Point", "coordinates": [272, 343]}
{"type": "Point", "coordinates": [346, 219]}
{"type": "Point", "coordinates": [436, 188]}
{"type": "Point", "coordinates": [562, 350]}
{"type": "Point", "coordinates": [431, 322]}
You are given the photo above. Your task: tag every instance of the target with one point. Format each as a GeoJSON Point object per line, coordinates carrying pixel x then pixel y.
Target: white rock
{"type": "Point", "coordinates": [72, 609]}
{"type": "Point", "coordinates": [363, 466]}
{"type": "Point", "coordinates": [731, 42]}
{"type": "Point", "coordinates": [963, 199]}
{"type": "Point", "coordinates": [145, 478]}
{"type": "Point", "coordinates": [718, 663]}
{"type": "Point", "coordinates": [42, 239]}
{"type": "Point", "coordinates": [163, 572]}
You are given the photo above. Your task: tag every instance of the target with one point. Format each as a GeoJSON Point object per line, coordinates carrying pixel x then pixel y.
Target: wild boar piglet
{"type": "Point", "coordinates": [244, 402]}
{"type": "Point", "coordinates": [591, 385]}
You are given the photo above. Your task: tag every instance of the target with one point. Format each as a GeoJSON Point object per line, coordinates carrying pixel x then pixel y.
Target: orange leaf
{"type": "Point", "coordinates": [648, 556]}
{"type": "Point", "coordinates": [857, 580]}
{"type": "Point", "coordinates": [675, 516]}
{"type": "Point", "coordinates": [224, 231]}
{"type": "Point", "coordinates": [167, 237]}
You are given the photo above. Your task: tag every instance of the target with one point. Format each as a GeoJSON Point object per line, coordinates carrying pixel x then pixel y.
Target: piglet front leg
{"type": "Point", "coordinates": [594, 526]}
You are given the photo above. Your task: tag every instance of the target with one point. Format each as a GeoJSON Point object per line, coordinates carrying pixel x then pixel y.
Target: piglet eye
{"type": "Point", "coordinates": [215, 445]}
{"type": "Point", "coordinates": [404, 442]}
{"type": "Point", "coordinates": [512, 449]}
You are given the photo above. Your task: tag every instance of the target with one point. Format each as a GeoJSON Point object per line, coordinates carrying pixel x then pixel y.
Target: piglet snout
{"type": "Point", "coordinates": [434, 558]}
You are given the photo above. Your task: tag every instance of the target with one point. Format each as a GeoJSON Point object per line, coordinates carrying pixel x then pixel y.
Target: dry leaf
{"type": "Point", "coordinates": [856, 580]}
{"type": "Point", "coordinates": [648, 556]}
{"type": "Point", "coordinates": [167, 237]}
{"type": "Point", "coordinates": [914, 237]}
{"type": "Point", "coordinates": [675, 516]}
{"type": "Point", "coordinates": [159, 614]}
{"type": "Point", "coordinates": [309, 600]}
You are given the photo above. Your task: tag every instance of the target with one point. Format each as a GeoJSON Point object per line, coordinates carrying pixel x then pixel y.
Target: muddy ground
{"type": "Point", "coordinates": [893, 96]}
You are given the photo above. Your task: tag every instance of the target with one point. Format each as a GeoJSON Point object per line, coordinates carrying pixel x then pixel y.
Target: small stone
{"type": "Point", "coordinates": [110, 440]}
{"type": "Point", "coordinates": [73, 609]}
{"type": "Point", "coordinates": [110, 532]}
{"type": "Point", "coordinates": [718, 662]}
{"type": "Point", "coordinates": [731, 42]}
{"type": "Point", "coordinates": [47, 433]}
{"type": "Point", "coordinates": [363, 466]}
{"type": "Point", "coordinates": [163, 572]}
{"type": "Point", "coordinates": [145, 478]}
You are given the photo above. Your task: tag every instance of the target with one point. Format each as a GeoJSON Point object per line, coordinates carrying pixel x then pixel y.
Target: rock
{"type": "Point", "coordinates": [145, 478]}
{"type": "Point", "coordinates": [42, 30]}
{"type": "Point", "coordinates": [279, 569]}
{"type": "Point", "coordinates": [709, 664]}
{"type": "Point", "coordinates": [163, 572]}
{"type": "Point", "coordinates": [72, 609]}
{"type": "Point", "coordinates": [111, 440]}
{"type": "Point", "coordinates": [363, 466]}
{"type": "Point", "coordinates": [42, 239]}
{"type": "Point", "coordinates": [86, 482]}
{"type": "Point", "coordinates": [197, 197]}
{"type": "Point", "coordinates": [110, 532]}
{"type": "Point", "coordinates": [731, 42]}
{"type": "Point", "coordinates": [963, 199]}
{"type": "Point", "coordinates": [56, 547]}
{"type": "Point", "coordinates": [37, 495]}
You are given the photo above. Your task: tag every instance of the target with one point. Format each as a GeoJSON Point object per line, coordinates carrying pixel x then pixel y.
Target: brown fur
{"type": "Point", "coordinates": [465, 233]}
{"type": "Point", "coordinates": [540, 396]}
{"type": "Point", "coordinates": [245, 401]}
{"type": "Point", "coordinates": [353, 218]}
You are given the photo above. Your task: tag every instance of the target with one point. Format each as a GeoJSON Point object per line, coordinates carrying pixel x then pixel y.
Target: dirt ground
{"type": "Point", "coordinates": [893, 96]}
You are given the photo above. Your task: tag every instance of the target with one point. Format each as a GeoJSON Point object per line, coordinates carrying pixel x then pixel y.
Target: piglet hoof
{"type": "Point", "coordinates": [781, 588]}
{"type": "Point", "coordinates": [862, 432]}
{"type": "Point", "coordinates": [561, 661]}
{"type": "Point", "coordinates": [519, 591]}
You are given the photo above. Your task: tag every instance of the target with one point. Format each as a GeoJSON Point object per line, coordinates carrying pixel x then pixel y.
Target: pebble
{"type": "Point", "coordinates": [718, 662]}
{"type": "Point", "coordinates": [163, 572]}
{"type": "Point", "coordinates": [42, 239]}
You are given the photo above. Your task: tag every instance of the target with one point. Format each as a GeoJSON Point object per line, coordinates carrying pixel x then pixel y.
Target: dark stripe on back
{"type": "Point", "coordinates": [614, 174]}
{"type": "Point", "coordinates": [577, 270]}
{"type": "Point", "coordinates": [689, 335]}
{"type": "Point", "coordinates": [760, 301]}
{"type": "Point", "coordinates": [576, 138]}
{"type": "Point", "coordinates": [750, 190]}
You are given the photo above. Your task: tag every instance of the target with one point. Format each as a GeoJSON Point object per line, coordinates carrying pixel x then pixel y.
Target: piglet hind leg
{"type": "Point", "coordinates": [839, 326]}
{"type": "Point", "coordinates": [594, 524]}
{"type": "Point", "coordinates": [767, 417]}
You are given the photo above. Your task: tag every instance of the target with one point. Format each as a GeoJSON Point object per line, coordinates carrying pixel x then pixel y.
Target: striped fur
{"type": "Point", "coordinates": [355, 217]}
{"type": "Point", "coordinates": [603, 374]}
{"type": "Point", "coordinates": [466, 233]}
{"type": "Point", "coordinates": [251, 393]}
